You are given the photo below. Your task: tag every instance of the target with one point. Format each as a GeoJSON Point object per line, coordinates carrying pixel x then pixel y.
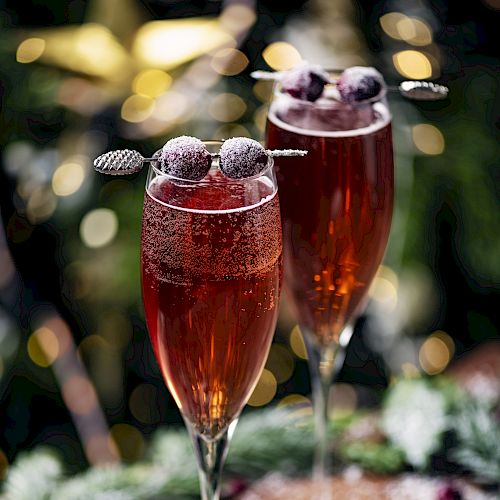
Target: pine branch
{"type": "Point", "coordinates": [33, 476]}
{"type": "Point", "coordinates": [478, 434]}
{"type": "Point", "coordinates": [414, 417]}
{"type": "Point", "coordinates": [381, 458]}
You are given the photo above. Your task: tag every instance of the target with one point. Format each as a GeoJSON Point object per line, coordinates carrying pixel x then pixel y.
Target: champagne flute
{"type": "Point", "coordinates": [211, 270]}
{"type": "Point", "coordinates": [336, 207]}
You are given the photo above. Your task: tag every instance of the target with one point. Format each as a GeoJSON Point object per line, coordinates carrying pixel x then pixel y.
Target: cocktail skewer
{"type": "Point", "coordinates": [129, 161]}
{"type": "Point", "coordinates": [411, 89]}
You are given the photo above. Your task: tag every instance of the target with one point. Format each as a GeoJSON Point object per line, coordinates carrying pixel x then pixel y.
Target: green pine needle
{"type": "Point", "coordinates": [478, 434]}
{"type": "Point", "coordinates": [381, 458]}
{"type": "Point", "coordinates": [33, 476]}
{"type": "Point", "coordinates": [279, 440]}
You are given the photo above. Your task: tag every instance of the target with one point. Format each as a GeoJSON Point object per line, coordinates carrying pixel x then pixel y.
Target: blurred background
{"type": "Point", "coordinates": [78, 78]}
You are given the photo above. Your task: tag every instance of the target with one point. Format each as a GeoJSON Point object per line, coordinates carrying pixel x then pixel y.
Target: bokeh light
{"type": "Point", "coordinates": [446, 338]}
{"type": "Point", "coordinates": [30, 50]}
{"type": "Point", "coordinates": [428, 139]}
{"type": "Point", "coordinates": [389, 23]}
{"type": "Point", "coordinates": [229, 62]}
{"type": "Point", "coordinates": [41, 204]}
{"type": "Point", "coordinates": [237, 17]}
{"type": "Point", "coordinates": [412, 30]}
{"type": "Point", "coordinates": [265, 389]}
{"type": "Point", "coordinates": [281, 56]}
{"type": "Point", "coordinates": [297, 343]}
{"type": "Point", "coordinates": [68, 178]}
{"type": "Point", "coordinates": [79, 395]}
{"type": "Point", "coordinates": [89, 48]}
{"type": "Point", "coordinates": [116, 329]}
{"type": "Point", "coordinates": [384, 288]}
{"type": "Point", "coordinates": [263, 90]}
{"type": "Point", "coordinates": [280, 362]}
{"type": "Point", "coordinates": [413, 64]}
{"type": "Point", "coordinates": [167, 44]}
{"type": "Point", "coordinates": [295, 400]}
{"type": "Point", "coordinates": [129, 441]}
{"type": "Point", "coordinates": [91, 345]}
{"type": "Point", "coordinates": [227, 107]}
{"type": "Point", "coordinates": [98, 227]}
{"type": "Point", "coordinates": [137, 108]}
{"type": "Point", "coordinates": [409, 370]}
{"type": "Point", "coordinates": [171, 107]}
{"type": "Point", "coordinates": [415, 31]}
{"type": "Point", "coordinates": [151, 82]}
{"type": "Point", "coordinates": [260, 118]}
{"type": "Point", "coordinates": [436, 352]}
{"type": "Point", "coordinates": [299, 405]}
{"type": "Point", "coordinates": [43, 347]}
{"type": "Point", "coordinates": [144, 404]}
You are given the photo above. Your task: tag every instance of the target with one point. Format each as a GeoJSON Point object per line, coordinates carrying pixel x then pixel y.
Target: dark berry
{"type": "Point", "coordinates": [360, 83]}
{"type": "Point", "coordinates": [305, 82]}
{"type": "Point", "coordinates": [242, 157]}
{"type": "Point", "coordinates": [186, 158]}
{"type": "Point", "coordinates": [448, 492]}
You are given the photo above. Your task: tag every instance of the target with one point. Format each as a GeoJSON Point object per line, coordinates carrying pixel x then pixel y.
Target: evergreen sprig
{"type": "Point", "coordinates": [279, 440]}
{"type": "Point", "coordinates": [478, 436]}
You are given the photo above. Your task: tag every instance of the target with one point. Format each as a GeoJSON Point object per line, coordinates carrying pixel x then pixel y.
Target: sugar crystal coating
{"type": "Point", "coordinates": [242, 157]}
{"type": "Point", "coordinates": [305, 81]}
{"type": "Point", "coordinates": [359, 83]}
{"type": "Point", "coordinates": [185, 157]}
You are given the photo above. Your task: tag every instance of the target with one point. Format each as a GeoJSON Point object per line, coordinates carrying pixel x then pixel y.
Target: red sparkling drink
{"type": "Point", "coordinates": [336, 205]}
{"type": "Point", "coordinates": [211, 268]}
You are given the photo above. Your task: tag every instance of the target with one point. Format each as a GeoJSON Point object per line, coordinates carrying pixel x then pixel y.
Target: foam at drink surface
{"type": "Point", "coordinates": [179, 241]}
{"type": "Point", "coordinates": [327, 117]}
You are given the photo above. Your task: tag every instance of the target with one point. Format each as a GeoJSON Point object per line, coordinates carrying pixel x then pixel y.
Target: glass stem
{"type": "Point", "coordinates": [210, 457]}
{"type": "Point", "coordinates": [321, 365]}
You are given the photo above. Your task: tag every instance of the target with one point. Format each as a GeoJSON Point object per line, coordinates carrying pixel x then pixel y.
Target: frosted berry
{"type": "Point", "coordinates": [186, 158]}
{"type": "Point", "coordinates": [360, 83]}
{"type": "Point", "coordinates": [305, 82]}
{"type": "Point", "coordinates": [242, 157]}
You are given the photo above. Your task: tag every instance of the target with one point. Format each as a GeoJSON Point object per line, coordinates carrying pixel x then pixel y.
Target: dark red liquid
{"type": "Point", "coordinates": [336, 206]}
{"type": "Point", "coordinates": [211, 290]}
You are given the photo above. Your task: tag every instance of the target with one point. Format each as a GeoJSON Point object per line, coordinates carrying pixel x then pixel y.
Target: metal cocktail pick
{"type": "Point", "coordinates": [124, 161]}
{"type": "Point", "coordinates": [422, 91]}
{"type": "Point", "coordinates": [129, 161]}
{"type": "Point", "coordinates": [411, 89]}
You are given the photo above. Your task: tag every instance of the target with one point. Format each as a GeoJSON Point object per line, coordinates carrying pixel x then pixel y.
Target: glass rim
{"type": "Point", "coordinates": [214, 164]}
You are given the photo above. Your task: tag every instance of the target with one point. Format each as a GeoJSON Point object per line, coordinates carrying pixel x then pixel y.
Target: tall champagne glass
{"type": "Point", "coordinates": [336, 207]}
{"type": "Point", "coordinates": [211, 269]}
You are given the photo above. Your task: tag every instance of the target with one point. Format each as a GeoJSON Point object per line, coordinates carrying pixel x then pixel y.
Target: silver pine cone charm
{"type": "Point", "coordinates": [122, 162]}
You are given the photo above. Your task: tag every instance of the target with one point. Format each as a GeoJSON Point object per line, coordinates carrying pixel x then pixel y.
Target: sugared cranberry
{"type": "Point", "coordinates": [360, 83]}
{"type": "Point", "coordinates": [305, 82]}
{"type": "Point", "coordinates": [186, 158]}
{"type": "Point", "coordinates": [242, 157]}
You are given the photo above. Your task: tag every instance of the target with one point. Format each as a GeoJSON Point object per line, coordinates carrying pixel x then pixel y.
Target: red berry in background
{"type": "Point", "coordinates": [305, 82]}
{"type": "Point", "coordinates": [360, 83]}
